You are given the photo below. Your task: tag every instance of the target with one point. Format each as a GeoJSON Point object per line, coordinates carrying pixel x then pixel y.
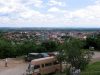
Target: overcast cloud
{"type": "Point", "coordinates": [49, 13]}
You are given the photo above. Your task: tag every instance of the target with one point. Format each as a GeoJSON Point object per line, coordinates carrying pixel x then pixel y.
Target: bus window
{"type": "Point", "coordinates": [48, 64]}
{"type": "Point", "coordinates": [36, 66]}
{"type": "Point", "coordinates": [42, 65]}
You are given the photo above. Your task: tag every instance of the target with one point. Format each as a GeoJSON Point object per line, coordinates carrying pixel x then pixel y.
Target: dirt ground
{"type": "Point", "coordinates": [12, 62]}
{"type": "Point", "coordinates": [15, 67]}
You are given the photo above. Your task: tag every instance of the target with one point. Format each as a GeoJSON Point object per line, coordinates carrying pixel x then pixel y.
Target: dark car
{"type": "Point", "coordinates": [32, 56]}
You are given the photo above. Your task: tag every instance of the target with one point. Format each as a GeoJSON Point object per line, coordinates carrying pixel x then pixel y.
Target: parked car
{"type": "Point", "coordinates": [53, 53]}
{"type": "Point", "coordinates": [32, 56]}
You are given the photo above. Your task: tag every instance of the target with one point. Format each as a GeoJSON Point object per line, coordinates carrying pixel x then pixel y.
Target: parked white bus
{"type": "Point", "coordinates": [43, 66]}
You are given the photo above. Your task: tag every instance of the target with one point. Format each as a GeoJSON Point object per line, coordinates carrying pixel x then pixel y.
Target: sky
{"type": "Point", "coordinates": [50, 13]}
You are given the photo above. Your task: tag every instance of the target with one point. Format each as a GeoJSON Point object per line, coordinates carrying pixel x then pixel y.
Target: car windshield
{"type": "Point", "coordinates": [45, 54]}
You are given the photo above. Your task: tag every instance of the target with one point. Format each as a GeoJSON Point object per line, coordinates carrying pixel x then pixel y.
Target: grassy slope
{"type": "Point", "coordinates": [92, 69]}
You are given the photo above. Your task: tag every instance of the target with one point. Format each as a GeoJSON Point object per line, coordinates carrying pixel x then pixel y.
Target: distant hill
{"type": "Point", "coordinates": [5, 29]}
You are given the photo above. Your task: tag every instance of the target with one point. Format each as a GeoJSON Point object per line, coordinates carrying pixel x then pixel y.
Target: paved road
{"type": "Point", "coordinates": [19, 70]}
{"type": "Point", "coordinates": [96, 57]}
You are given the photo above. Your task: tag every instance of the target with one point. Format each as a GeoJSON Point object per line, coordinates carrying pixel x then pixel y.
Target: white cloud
{"type": "Point", "coordinates": [29, 14]}
{"type": "Point", "coordinates": [21, 13]}
{"type": "Point", "coordinates": [7, 6]}
{"type": "Point", "coordinates": [56, 3]}
{"type": "Point", "coordinates": [36, 3]}
{"type": "Point", "coordinates": [54, 9]}
{"type": "Point", "coordinates": [89, 12]}
{"type": "Point", "coordinates": [97, 1]}
{"type": "Point", "coordinates": [85, 17]}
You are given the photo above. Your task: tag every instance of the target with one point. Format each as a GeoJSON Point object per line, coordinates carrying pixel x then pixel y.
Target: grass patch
{"type": "Point", "coordinates": [92, 69]}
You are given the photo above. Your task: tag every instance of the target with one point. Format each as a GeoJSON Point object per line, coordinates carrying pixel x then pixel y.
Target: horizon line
{"type": "Point", "coordinates": [55, 27]}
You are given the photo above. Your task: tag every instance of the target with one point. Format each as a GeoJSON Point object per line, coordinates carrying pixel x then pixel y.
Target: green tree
{"type": "Point", "coordinates": [91, 42]}
{"type": "Point", "coordinates": [76, 55]}
{"type": "Point", "coordinates": [49, 46]}
{"type": "Point", "coordinates": [26, 47]}
{"type": "Point", "coordinates": [73, 53]}
{"type": "Point", "coordinates": [61, 57]}
{"type": "Point", "coordinates": [5, 49]}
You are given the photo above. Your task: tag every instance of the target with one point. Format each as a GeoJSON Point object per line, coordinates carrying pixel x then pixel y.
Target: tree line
{"type": "Point", "coordinates": [13, 49]}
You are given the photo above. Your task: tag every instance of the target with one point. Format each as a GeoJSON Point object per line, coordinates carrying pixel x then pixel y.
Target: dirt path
{"type": "Point", "coordinates": [18, 70]}
{"type": "Point", "coordinates": [15, 67]}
